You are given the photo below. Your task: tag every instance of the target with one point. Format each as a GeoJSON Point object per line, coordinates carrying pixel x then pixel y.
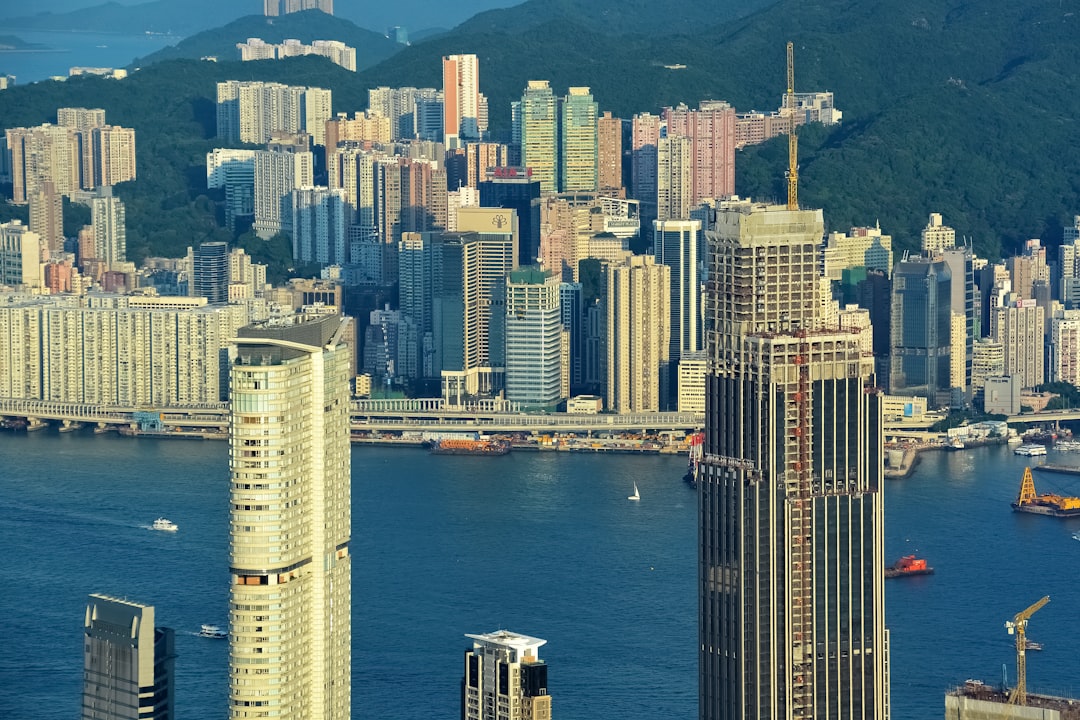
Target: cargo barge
{"type": "Point", "coordinates": [1029, 501]}
{"type": "Point", "coordinates": [470, 447]}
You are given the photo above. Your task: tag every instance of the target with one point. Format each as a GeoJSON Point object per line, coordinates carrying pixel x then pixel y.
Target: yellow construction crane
{"type": "Point", "coordinates": [793, 138]}
{"type": "Point", "coordinates": [1018, 626]}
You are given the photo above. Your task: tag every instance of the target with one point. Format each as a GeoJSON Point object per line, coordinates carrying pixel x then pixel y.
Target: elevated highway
{"type": "Point", "coordinates": [366, 416]}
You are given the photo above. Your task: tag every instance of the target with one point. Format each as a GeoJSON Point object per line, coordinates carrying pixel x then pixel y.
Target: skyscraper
{"type": "Point", "coordinates": [47, 216]}
{"type": "Point", "coordinates": [711, 132]}
{"type": "Point", "coordinates": [674, 174]}
{"type": "Point", "coordinates": [109, 220]}
{"type": "Point", "coordinates": [645, 132]}
{"type": "Point", "coordinates": [287, 165]}
{"type": "Point", "coordinates": [505, 679]}
{"type": "Point", "coordinates": [516, 188]}
{"type": "Point", "coordinates": [128, 662]}
{"type": "Point", "coordinates": [675, 244]}
{"type": "Point", "coordinates": [538, 117]}
{"type": "Point", "coordinates": [791, 597]}
{"type": "Point", "coordinates": [637, 302]}
{"type": "Point", "coordinates": [461, 99]}
{"type": "Point", "coordinates": [210, 272]}
{"type": "Point", "coordinates": [921, 323]}
{"type": "Point", "coordinates": [609, 131]}
{"type": "Point", "coordinates": [534, 335]}
{"type": "Point", "coordinates": [290, 598]}
{"type": "Point", "coordinates": [578, 144]}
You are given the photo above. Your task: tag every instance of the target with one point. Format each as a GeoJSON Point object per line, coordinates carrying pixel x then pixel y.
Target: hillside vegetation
{"type": "Point", "coordinates": [371, 47]}
{"type": "Point", "coordinates": [968, 109]}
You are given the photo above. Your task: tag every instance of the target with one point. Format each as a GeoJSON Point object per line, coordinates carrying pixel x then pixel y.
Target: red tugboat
{"type": "Point", "coordinates": [908, 565]}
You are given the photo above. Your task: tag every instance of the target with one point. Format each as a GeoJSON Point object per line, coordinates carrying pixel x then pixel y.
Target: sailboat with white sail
{"type": "Point", "coordinates": [636, 495]}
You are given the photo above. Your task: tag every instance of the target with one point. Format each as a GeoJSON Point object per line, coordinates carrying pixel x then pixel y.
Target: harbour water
{"type": "Point", "coordinates": [541, 543]}
{"type": "Point", "coordinates": [64, 50]}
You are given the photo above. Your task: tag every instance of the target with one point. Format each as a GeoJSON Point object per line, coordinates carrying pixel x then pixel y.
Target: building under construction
{"type": "Point", "coordinates": [975, 700]}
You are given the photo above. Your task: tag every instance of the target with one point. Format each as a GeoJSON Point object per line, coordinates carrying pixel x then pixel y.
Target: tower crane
{"type": "Point", "coordinates": [793, 138]}
{"type": "Point", "coordinates": [1018, 626]}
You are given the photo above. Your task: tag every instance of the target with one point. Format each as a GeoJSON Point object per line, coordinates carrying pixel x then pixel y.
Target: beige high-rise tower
{"type": "Point", "coordinates": [290, 597]}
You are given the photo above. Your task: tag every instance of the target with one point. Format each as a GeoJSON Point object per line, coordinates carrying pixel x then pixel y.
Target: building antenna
{"type": "Point", "coordinates": [793, 138]}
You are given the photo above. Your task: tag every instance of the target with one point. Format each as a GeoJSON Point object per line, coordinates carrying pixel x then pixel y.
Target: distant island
{"type": "Point", "coordinates": [10, 43]}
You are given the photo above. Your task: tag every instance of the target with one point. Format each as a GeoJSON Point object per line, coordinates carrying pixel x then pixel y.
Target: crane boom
{"type": "Point", "coordinates": [793, 138]}
{"type": "Point", "coordinates": [1018, 625]}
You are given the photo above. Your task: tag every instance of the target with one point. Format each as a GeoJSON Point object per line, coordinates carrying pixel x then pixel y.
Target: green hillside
{"type": "Point", "coordinates": [949, 106]}
{"type": "Point", "coordinates": [371, 47]}
{"type": "Point", "coordinates": [952, 107]}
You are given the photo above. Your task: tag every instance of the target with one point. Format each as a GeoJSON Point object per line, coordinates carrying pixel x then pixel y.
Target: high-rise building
{"type": "Point", "coordinates": [417, 276]}
{"type": "Point", "coordinates": [538, 122]}
{"type": "Point", "coordinates": [645, 133]}
{"type": "Point", "coordinates": [128, 662]}
{"type": "Point", "coordinates": [21, 254]}
{"type": "Point", "coordinates": [80, 118]}
{"type": "Point", "coordinates": [362, 127]}
{"type": "Point", "coordinates": [505, 679]}
{"type": "Point", "coordinates": [287, 165]}
{"type": "Point", "coordinates": [1065, 347]}
{"type": "Point", "coordinates": [519, 189]}
{"type": "Point", "coordinates": [1068, 284]}
{"type": "Point", "coordinates": [112, 155]}
{"type": "Point", "coordinates": [637, 300]}
{"type": "Point", "coordinates": [967, 305]}
{"type": "Point", "coordinates": [573, 321]}
{"type": "Point", "coordinates": [676, 244]}
{"type": "Point", "coordinates": [274, 8]}
{"type": "Point", "coordinates": [1019, 327]}
{"type": "Point", "coordinates": [210, 272]}
{"type": "Point", "coordinates": [791, 597]}
{"type": "Point", "coordinates": [533, 338]}
{"type": "Point", "coordinates": [109, 220]}
{"type": "Point", "coordinates": [335, 51]}
{"type": "Point", "coordinates": [609, 155]}
{"type": "Point", "coordinates": [674, 178]}
{"type": "Point", "coordinates": [461, 99]}
{"type": "Point", "coordinates": [320, 220]}
{"type": "Point", "coordinates": [234, 171]}
{"type": "Point", "coordinates": [860, 247]}
{"type": "Point", "coordinates": [711, 132]}
{"type": "Point", "coordinates": [253, 111]}
{"type": "Point", "coordinates": [47, 216]}
{"type": "Point", "coordinates": [692, 367]}
{"type": "Point", "coordinates": [47, 153]}
{"type": "Point", "coordinates": [468, 309]}
{"type": "Point", "coordinates": [937, 237]}
{"type": "Point", "coordinates": [291, 594]}
{"type": "Point", "coordinates": [987, 361]}
{"type": "Point", "coordinates": [921, 323]}
{"type": "Point", "coordinates": [578, 145]}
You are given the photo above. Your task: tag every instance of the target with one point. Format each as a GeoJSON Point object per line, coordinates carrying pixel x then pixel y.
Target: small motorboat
{"type": "Point", "coordinates": [213, 632]}
{"type": "Point", "coordinates": [164, 525]}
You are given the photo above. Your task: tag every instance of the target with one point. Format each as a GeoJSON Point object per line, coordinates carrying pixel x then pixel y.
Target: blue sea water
{"type": "Point", "coordinates": [71, 49]}
{"type": "Point", "coordinates": [542, 544]}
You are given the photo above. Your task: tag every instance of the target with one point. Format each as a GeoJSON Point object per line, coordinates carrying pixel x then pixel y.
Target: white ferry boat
{"type": "Point", "coordinates": [165, 525]}
{"type": "Point", "coordinates": [1031, 449]}
{"type": "Point", "coordinates": [212, 631]}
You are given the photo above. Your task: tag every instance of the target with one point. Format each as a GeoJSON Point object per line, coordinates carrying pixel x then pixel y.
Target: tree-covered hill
{"type": "Point", "coordinates": [371, 47]}
{"type": "Point", "coordinates": [963, 108]}
{"type": "Point", "coordinates": [949, 106]}
{"type": "Point", "coordinates": [171, 105]}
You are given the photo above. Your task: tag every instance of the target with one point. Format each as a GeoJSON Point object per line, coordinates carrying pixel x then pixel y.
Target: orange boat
{"type": "Point", "coordinates": [908, 565]}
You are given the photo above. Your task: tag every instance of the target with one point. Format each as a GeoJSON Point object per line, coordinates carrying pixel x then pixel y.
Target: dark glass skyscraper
{"type": "Point", "coordinates": [517, 189]}
{"type": "Point", "coordinates": [210, 271]}
{"type": "Point", "coordinates": [921, 330]}
{"type": "Point", "coordinates": [792, 610]}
